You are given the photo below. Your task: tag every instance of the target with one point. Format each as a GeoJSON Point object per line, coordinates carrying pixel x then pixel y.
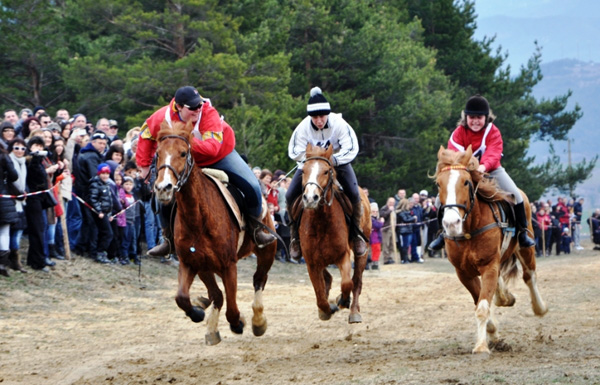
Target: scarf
{"type": "Point", "coordinates": [20, 183]}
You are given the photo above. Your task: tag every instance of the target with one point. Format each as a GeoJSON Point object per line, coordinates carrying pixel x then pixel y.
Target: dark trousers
{"type": "Point", "coordinates": [105, 234]}
{"type": "Point", "coordinates": [36, 228]}
{"type": "Point", "coordinates": [88, 233]}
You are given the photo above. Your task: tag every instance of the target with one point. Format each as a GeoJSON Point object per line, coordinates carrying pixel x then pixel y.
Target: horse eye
{"type": "Point", "coordinates": [183, 154]}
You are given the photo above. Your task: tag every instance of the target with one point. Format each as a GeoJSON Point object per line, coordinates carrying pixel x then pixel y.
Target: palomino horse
{"type": "Point", "coordinates": [207, 239]}
{"type": "Point", "coordinates": [324, 235]}
{"type": "Point", "coordinates": [473, 241]}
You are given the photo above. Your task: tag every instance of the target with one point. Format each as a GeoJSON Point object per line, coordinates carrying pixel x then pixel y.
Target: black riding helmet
{"type": "Point", "coordinates": [477, 105]}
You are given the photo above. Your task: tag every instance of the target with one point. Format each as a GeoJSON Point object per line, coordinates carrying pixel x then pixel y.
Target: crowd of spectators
{"type": "Point", "coordinates": [107, 209]}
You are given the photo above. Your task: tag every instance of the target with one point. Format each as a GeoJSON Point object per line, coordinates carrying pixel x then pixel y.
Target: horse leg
{"type": "Point", "coordinates": [317, 277]}
{"type": "Point", "coordinates": [347, 285]}
{"type": "Point", "coordinates": [527, 259]}
{"type": "Point", "coordinates": [212, 336]}
{"type": "Point", "coordinates": [236, 322]}
{"type": "Point", "coordinates": [359, 267]}
{"type": "Point", "coordinates": [503, 297]}
{"type": "Point", "coordinates": [489, 282]}
{"type": "Point", "coordinates": [264, 261]}
{"type": "Point", "coordinates": [185, 277]}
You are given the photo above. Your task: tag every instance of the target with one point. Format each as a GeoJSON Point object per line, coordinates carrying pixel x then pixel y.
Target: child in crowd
{"type": "Point", "coordinates": [132, 171]}
{"type": "Point", "coordinates": [129, 240]}
{"type": "Point", "coordinates": [565, 239]}
{"type": "Point", "coordinates": [100, 196]}
{"type": "Point", "coordinates": [376, 237]}
{"type": "Point", "coordinates": [120, 219]}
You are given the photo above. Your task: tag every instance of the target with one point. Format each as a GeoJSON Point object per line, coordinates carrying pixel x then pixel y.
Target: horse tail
{"type": "Point", "coordinates": [509, 268]}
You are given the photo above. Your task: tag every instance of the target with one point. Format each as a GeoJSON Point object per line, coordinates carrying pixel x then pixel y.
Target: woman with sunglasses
{"type": "Point", "coordinates": [213, 146]}
{"type": "Point", "coordinates": [17, 150]}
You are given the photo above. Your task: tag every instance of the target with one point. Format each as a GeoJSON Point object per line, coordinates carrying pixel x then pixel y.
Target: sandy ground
{"type": "Point", "coordinates": [90, 324]}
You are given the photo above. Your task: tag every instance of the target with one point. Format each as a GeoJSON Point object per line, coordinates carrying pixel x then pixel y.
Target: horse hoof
{"type": "Point", "coordinates": [196, 314]}
{"type": "Point", "coordinates": [259, 330]}
{"type": "Point", "coordinates": [354, 318]}
{"type": "Point", "coordinates": [212, 338]}
{"type": "Point", "coordinates": [323, 316]}
{"type": "Point", "coordinates": [481, 350]}
{"type": "Point", "coordinates": [343, 303]}
{"type": "Point", "coordinates": [239, 329]}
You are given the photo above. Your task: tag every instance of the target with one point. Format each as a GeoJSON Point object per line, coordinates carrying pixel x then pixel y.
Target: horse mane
{"type": "Point", "coordinates": [487, 188]}
{"type": "Point", "coordinates": [177, 128]}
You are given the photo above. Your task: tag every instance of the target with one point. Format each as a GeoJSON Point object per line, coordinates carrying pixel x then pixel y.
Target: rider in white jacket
{"type": "Point", "coordinates": [323, 128]}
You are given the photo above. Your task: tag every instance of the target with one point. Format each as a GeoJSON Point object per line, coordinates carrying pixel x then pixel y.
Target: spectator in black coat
{"type": "Point", "coordinates": [87, 164]}
{"type": "Point", "coordinates": [8, 212]}
{"type": "Point", "coordinates": [100, 197]}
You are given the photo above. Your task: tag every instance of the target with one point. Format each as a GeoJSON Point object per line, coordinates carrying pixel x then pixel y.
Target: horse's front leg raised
{"type": "Point", "coordinates": [185, 278]}
{"type": "Point", "coordinates": [212, 336]}
{"type": "Point", "coordinates": [316, 275]}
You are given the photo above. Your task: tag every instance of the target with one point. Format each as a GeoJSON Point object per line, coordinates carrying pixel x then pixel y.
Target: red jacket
{"type": "Point", "coordinates": [544, 221]}
{"type": "Point", "coordinates": [214, 142]}
{"type": "Point", "coordinates": [489, 152]}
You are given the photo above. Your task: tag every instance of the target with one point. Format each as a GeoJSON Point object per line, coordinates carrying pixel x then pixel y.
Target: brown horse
{"type": "Point", "coordinates": [473, 241]}
{"type": "Point", "coordinates": [324, 235]}
{"type": "Point", "coordinates": [207, 239]}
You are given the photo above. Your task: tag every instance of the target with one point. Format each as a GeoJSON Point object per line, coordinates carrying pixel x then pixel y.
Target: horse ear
{"type": "Point", "coordinates": [441, 151]}
{"type": "Point", "coordinates": [467, 155]}
{"type": "Point", "coordinates": [309, 147]}
{"type": "Point", "coordinates": [329, 152]}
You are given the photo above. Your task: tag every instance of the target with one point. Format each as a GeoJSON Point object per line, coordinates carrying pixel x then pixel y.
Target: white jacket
{"type": "Point", "coordinates": [337, 132]}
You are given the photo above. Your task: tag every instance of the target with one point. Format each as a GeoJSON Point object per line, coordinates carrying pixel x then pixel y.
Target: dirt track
{"type": "Point", "coordinates": [91, 324]}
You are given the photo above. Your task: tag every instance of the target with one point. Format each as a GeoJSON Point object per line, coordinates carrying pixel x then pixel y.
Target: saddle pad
{"type": "Point", "coordinates": [210, 173]}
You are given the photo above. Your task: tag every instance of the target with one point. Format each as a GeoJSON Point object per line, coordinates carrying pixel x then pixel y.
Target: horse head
{"type": "Point", "coordinates": [317, 177]}
{"type": "Point", "coordinates": [456, 189]}
{"type": "Point", "coordinates": [174, 161]}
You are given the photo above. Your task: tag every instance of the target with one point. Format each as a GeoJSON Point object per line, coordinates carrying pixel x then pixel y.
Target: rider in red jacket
{"type": "Point", "coordinates": [476, 129]}
{"type": "Point", "coordinates": [213, 146]}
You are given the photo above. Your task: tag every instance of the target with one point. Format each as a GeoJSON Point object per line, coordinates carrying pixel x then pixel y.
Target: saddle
{"type": "Point", "coordinates": [220, 179]}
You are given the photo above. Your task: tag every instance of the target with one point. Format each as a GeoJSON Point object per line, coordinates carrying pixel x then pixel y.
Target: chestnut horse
{"type": "Point", "coordinates": [207, 239]}
{"type": "Point", "coordinates": [474, 236]}
{"type": "Point", "coordinates": [324, 234]}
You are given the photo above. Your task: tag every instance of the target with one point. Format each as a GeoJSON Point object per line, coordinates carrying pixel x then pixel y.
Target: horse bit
{"type": "Point", "coordinates": [189, 163]}
{"type": "Point", "coordinates": [329, 181]}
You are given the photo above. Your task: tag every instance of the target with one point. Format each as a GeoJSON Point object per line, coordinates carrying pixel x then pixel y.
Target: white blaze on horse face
{"type": "Point", "coordinates": [452, 221]}
{"type": "Point", "coordinates": [312, 194]}
{"type": "Point", "coordinates": [166, 181]}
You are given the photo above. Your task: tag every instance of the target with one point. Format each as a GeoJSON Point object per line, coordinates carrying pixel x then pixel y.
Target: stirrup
{"type": "Point", "coordinates": [360, 246]}
{"type": "Point", "coordinates": [160, 250]}
{"type": "Point", "coordinates": [263, 239]}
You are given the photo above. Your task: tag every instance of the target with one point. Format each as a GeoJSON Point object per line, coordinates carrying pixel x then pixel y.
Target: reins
{"type": "Point", "coordinates": [329, 181]}
{"type": "Point", "coordinates": [472, 191]}
{"type": "Point", "coordinates": [189, 163]}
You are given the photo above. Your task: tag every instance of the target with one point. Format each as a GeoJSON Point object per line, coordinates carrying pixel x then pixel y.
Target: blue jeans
{"type": "Point", "coordinates": [129, 241]}
{"type": "Point", "coordinates": [74, 221]}
{"type": "Point", "coordinates": [15, 239]}
{"type": "Point", "coordinates": [150, 224]}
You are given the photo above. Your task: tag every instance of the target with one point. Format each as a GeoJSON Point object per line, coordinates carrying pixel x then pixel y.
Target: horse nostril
{"type": "Point", "coordinates": [315, 197]}
{"type": "Point", "coordinates": [168, 187]}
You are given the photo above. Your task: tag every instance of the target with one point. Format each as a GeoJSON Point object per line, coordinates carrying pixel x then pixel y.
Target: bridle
{"type": "Point", "coordinates": [456, 206]}
{"type": "Point", "coordinates": [329, 184]}
{"type": "Point", "coordinates": [189, 163]}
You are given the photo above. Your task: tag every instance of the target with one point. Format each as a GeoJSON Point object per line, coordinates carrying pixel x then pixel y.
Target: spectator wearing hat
{"type": "Point", "coordinates": [376, 237]}
{"type": "Point", "coordinates": [7, 133]}
{"type": "Point", "coordinates": [38, 110]}
{"type": "Point", "coordinates": [323, 128]}
{"type": "Point", "coordinates": [88, 160]}
{"type": "Point", "coordinates": [476, 128]}
{"type": "Point", "coordinates": [24, 114]}
{"type": "Point", "coordinates": [129, 238]}
{"type": "Point", "coordinates": [213, 146]}
{"type": "Point", "coordinates": [113, 133]}
{"type": "Point", "coordinates": [101, 199]}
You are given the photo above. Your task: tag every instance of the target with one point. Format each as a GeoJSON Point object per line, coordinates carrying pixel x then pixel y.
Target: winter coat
{"type": "Point", "coordinates": [87, 166]}
{"type": "Point", "coordinates": [403, 218]}
{"type": "Point", "coordinates": [8, 174]}
{"type": "Point", "coordinates": [100, 196]}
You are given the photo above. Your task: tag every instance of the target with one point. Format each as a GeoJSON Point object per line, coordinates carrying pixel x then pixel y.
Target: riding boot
{"type": "Point", "coordinates": [4, 263]}
{"type": "Point", "coordinates": [521, 219]}
{"type": "Point", "coordinates": [438, 243]}
{"type": "Point", "coordinates": [15, 263]}
{"type": "Point", "coordinates": [261, 238]}
{"type": "Point", "coordinates": [164, 248]}
{"type": "Point", "coordinates": [295, 251]}
{"type": "Point", "coordinates": [360, 246]}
